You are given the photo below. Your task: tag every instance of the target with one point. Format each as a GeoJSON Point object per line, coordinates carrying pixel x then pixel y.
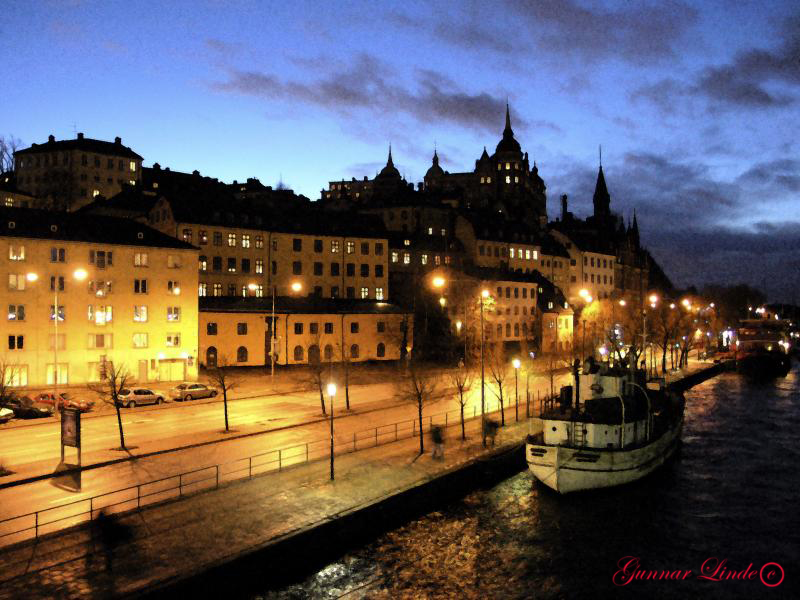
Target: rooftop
{"type": "Point", "coordinates": [294, 305]}
{"type": "Point", "coordinates": [114, 148]}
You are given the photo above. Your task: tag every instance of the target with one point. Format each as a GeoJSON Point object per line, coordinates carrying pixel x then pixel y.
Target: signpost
{"type": "Point", "coordinates": [70, 436]}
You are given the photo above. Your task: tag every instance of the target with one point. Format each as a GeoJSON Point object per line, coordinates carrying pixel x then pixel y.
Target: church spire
{"type": "Point", "coordinates": [601, 199]}
{"type": "Point", "coordinates": [389, 162]}
{"type": "Point", "coordinates": [508, 121]}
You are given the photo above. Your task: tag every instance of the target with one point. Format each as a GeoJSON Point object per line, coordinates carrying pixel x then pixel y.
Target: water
{"type": "Point", "coordinates": [731, 493]}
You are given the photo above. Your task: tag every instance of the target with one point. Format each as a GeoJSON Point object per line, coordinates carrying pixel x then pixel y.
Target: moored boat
{"type": "Point", "coordinates": [610, 428]}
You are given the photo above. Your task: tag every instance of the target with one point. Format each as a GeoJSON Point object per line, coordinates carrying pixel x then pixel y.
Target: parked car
{"type": "Point", "coordinates": [189, 391]}
{"type": "Point", "coordinates": [137, 396]}
{"type": "Point", "coordinates": [5, 414]}
{"type": "Point", "coordinates": [26, 408]}
{"type": "Point", "coordinates": [66, 400]}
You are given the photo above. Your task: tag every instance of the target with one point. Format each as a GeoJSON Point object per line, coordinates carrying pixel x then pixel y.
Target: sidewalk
{"type": "Point", "coordinates": [178, 539]}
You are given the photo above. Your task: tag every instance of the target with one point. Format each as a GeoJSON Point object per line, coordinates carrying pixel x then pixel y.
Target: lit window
{"type": "Point", "coordinates": [202, 290]}
{"type": "Point", "coordinates": [173, 313]}
{"type": "Point", "coordinates": [173, 340]}
{"type": "Point", "coordinates": [217, 289]}
{"type": "Point", "coordinates": [203, 263]}
{"type": "Point", "coordinates": [527, 254]}
{"type": "Point", "coordinates": [488, 180]}
{"type": "Point", "coordinates": [424, 259]}
{"type": "Point", "coordinates": [140, 259]}
{"type": "Point", "coordinates": [379, 293]}
{"type": "Point", "coordinates": [16, 312]}
{"type": "Point", "coordinates": [511, 253]}
{"type": "Point", "coordinates": [334, 246]}
{"type": "Point", "coordinates": [231, 240]}
{"type": "Point", "coordinates": [364, 293]}
{"type": "Point", "coordinates": [406, 258]}
{"type": "Point", "coordinates": [140, 340]}
{"type": "Point", "coordinates": [406, 242]}
{"type": "Point", "coordinates": [16, 252]}
{"type": "Point", "coordinates": [430, 230]}
{"type": "Point", "coordinates": [508, 178]}
{"type": "Point", "coordinates": [395, 256]}
{"type": "Point", "coordinates": [259, 241]}
{"type": "Point", "coordinates": [259, 265]}
{"type": "Point", "coordinates": [187, 236]}
{"type": "Point", "coordinates": [202, 237]}
{"type": "Point", "coordinates": [508, 166]}
{"type": "Point", "coordinates": [140, 314]}
{"type": "Point", "coordinates": [245, 240]}
{"type": "Point", "coordinates": [132, 166]}
{"type": "Point", "coordinates": [173, 287]}
{"type": "Point", "coordinates": [437, 260]}
{"type": "Point", "coordinates": [259, 291]}
{"type": "Point", "coordinates": [516, 179]}
{"type": "Point", "coordinates": [172, 261]}
{"type": "Point", "coordinates": [350, 247]}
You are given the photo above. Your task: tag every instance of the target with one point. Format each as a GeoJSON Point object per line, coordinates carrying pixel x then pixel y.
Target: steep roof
{"type": "Point", "coordinates": [76, 227]}
{"type": "Point", "coordinates": [292, 305]}
{"type": "Point", "coordinates": [508, 143]}
{"type": "Point", "coordinates": [85, 144]}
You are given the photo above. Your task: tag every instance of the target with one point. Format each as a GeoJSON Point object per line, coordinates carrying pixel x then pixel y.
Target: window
{"type": "Point", "coordinates": [334, 246]}
{"type": "Point", "coordinates": [381, 350]}
{"type": "Point", "coordinates": [328, 328]}
{"type": "Point", "coordinates": [437, 260]}
{"type": "Point", "coordinates": [424, 259]}
{"type": "Point", "coordinates": [174, 287]}
{"type": "Point", "coordinates": [381, 326]}
{"type": "Point", "coordinates": [56, 281]}
{"type": "Point", "coordinates": [173, 340]}
{"type": "Point", "coordinates": [354, 351]}
{"type": "Point", "coordinates": [354, 327]}
{"type": "Point", "coordinates": [202, 290]}
{"type": "Point", "coordinates": [241, 329]}
{"type": "Point", "coordinates": [364, 248]}
{"type": "Point", "coordinates": [16, 281]}
{"type": "Point", "coordinates": [132, 166]}
{"type": "Point", "coordinates": [395, 256]}
{"type": "Point", "coordinates": [241, 354]}
{"type": "Point", "coordinates": [430, 230]}
{"type": "Point", "coordinates": [96, 340]}
{"type": "Point", "coordinates": [275, 244]}
{"type": "Point", "coordinates": [58, 255]}
{"type": "Point", "coordinates": [481, 250]}
{"type": "Point", "coordinates": [508, 178]}
{"type": "Point", "coordinates": [317, 246]}
{"type": "Point", "coordinates": [17, 375]}
{"type": "Point", "coordinates": [231, 265]}
{"type": "Point", "coordinates": [140, 286]}
{"type": "Point", "coordinates": [245, 240]}
{"type": "Point", "coordinates": [203, 263]}
{"type": "Point", "coordinates": [334, 291]}
{"type": "Point", "coordinates": [406, 258]}
{"type": "Point", "coordinates": [16, 342]}
{"type": "Point", "coordinates": [140, 313]}
{"type": "Point", "coordinates": [231, 289]}
{"type": "Point", "coordinates": [211, 328]}
{"type": "Point", "coordinates": [379, 293]}
{"type": "Point", "coordinates": [516, 292]}
{"type": "Point", "coordinates": [350, 247]}
{"type": "Point", "coordinates": [202, 237]}
{"type": "Point", "coordinates": [297, 244]}
{"type": "Point", "coordinates": [274, 267]}
{"type": "Point", "coordinates": [259, 265]}
{"type": "Point", "coordinates": [298, 353]}
{"type": "Point", "coordinates": [364, 270]}
{"type": "Point", "coordinates": [378, 249]}
{"type": "Point", "coordinates": [350, 292]}
{"type": "Point", "coordinates": [61, 313]}
{"type": "Point", "coordinates": [318, 268]}
{"type": "Point", "coordinates": [364, 293]}
{"type": "Point", "coordinates": [216, 263]}
{"type": "Point", "coordinates": [187, 236]}
{"type": "Point", "coordinates": [328, 352]}
{"type": "Point", "coordinates": [511, 253]}
{"type": "Point", "coordinates": [217, 238]}
{"type": "Point", "coordinates": [351, 269]}
{"type": "Point", "coordinates": [231, 240]}
{"type": "Point", "coordinates": [140, 259]}
{"type": "Point", "coordinates": [16, 312]}
{"type": "Point", "coordinates": [297, 267]}
{"type": "Point", "coordinates": [298, 328]}
{"type": "Point", "coordinates": [100, 314]}
{"type": "Point", "coordinates": [140, 340]}
{"type": "Point", "coordinates": [245, 265]}
{"type": "Point", "coordinates": [173, 262]}
{"type": "Point", "coordinates": [101, 258]}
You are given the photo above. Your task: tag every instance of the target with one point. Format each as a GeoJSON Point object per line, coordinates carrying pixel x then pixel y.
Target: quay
{"type": "Point", "coordinates": [233, 540]}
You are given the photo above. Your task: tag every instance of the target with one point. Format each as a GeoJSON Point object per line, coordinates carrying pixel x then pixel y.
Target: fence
{"type": "Point", "coordinates": [50, 520]}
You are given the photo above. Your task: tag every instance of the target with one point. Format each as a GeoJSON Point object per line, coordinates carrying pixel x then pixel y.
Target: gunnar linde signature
{"type": "Point", "coordinates": [629, 570]}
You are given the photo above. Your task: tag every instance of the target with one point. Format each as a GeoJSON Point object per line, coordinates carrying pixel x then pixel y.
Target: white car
{"type": "Point", "coordinates": [136, 396]}
{"type": "Point", "coordinates": [189, 391]}
{"type": "Point", "coordinates": [6, 414]}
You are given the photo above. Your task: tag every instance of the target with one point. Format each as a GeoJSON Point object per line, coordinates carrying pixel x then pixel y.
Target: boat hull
{"type": "Point", "coordinates": [567, 469]}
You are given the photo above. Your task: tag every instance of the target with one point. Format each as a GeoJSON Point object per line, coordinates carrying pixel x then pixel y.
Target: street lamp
{"type": "Point", "coordinates": [296, 286]}
{"type": "Point", "coordinates": [79, 275]}
{"type": "Point", "coordinates": [516, 364]}
{"type": "Point", "coordinates": [331, 394]}
{"type": "Point", "coordinates": [484, 295]}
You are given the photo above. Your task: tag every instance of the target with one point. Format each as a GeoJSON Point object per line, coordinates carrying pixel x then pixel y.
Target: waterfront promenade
{"type": "Point", "coordinates": [176, 540]}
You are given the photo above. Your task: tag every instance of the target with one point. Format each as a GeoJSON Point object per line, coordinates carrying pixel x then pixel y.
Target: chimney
{"type": "Point", "coordinates": [51, 138]}
{"type": "Point", "coordinates": [564, 207]}
{"type": "Point", "coordinates": [80, 135]}
{"type": "Point", "coordinates": [156, 167]}
{"type": "Point", "coordinates": [118, 141]}
{"type": "Point", "coordinates": [196, 172]}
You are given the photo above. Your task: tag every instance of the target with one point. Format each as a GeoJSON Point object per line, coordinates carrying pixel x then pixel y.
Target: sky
{"type": "Point", "coordinates": [695, 104]}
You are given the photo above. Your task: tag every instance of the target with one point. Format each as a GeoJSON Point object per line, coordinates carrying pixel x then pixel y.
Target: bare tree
{"type": "Point", "coordinates": [114, 379]}
{"type": "Point", "coordinates": [554, 362]}
{"type": "Point", "coordinates": [316, 369]}
{"type": "Point", "coordinates": [7, 371]}
{"type": "Point", "coordinates": [345, 363]}
{"type": "Point", "coordinates": [462, 380]}
{"type": "Point", "coordinates": [222, 378]}
{"type": "Point", "coordinates": [417, 387]}
{"type": "Point", "coordinates": [8, 145]}
{"type": "Point", "coordinates": [498, 370]}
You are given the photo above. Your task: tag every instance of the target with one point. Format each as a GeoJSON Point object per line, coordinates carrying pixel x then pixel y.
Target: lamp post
{"type": "Point", "coordinates": [331, 395]}
{"type": "Point", "coordinates": [516, 364]}
{"type": "Point", "coordinates": [484, 294]}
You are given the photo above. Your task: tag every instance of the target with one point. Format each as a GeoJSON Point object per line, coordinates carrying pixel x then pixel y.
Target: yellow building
{"type": "Point", "coordinates": [236, 331]}
{"type": "Point", "coordinates": [124, 294]}
{"type": "Point", "coordinates": [592, 267]}
{"type": "Point", "coordinates": [247, 251]}
{"type": "Point", "coordinates": [70, 173]}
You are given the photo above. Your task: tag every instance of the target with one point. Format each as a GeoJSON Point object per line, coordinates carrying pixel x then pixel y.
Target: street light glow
{"type": "Point", "coordinates": [297, 286]}
{"type": "Point", "coordinates": [31, 277]}
{"type": "Point", "coordinates": [584, 293]}
{"type": "Point", "coordinates": [252, 287]}
{"type": "Point", "coordinates": [80, 274]}
{"type": "Point", "coordinates": [686, 302]}
{"type": "Point", "coordinates": [485, 293]}
{"type": "Point", "coordinates": [331, 389]}
{"type": "Point", "coordinates": [516, 363]}
{"type": "Point", "coordinates": [622, 302]}
{"type": "Point", "coordinates": [442, 302]}
{"type": "Point", "coordinates": [653, 298]}
{"type": "Point", "coordinates": [438, 282]}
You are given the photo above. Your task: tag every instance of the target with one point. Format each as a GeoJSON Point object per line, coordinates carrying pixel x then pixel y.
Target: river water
{"type": "Point", "coordinates": [731, 495]}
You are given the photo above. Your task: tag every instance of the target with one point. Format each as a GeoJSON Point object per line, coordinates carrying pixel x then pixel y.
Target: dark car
{"type": "Point", "coordinates": [26, 408]}
{"type": "Point", "coordinates": [66, 400]}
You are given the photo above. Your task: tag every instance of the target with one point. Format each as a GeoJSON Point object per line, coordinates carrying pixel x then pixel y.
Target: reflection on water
{"type": "Point", "coordinates": [731, 493]}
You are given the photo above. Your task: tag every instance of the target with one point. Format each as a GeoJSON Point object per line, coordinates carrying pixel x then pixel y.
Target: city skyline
{"type": "Point", "coordinates": [686, 105]}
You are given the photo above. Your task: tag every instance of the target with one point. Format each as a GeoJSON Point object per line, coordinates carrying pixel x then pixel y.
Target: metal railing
{"type": "Point", "coordinates": [45, 521]}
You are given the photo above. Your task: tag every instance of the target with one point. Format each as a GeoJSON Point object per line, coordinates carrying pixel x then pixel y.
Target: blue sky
{"type": "Point", "coordinates": [694, 103]}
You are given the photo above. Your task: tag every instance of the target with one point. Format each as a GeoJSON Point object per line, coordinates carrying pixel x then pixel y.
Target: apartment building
{"type": "Point", "coordinates": [593, 266]}
{"type": "Point", "coordinates": [83, 293]}
{"type": "Point", "coordinates": [70, 173]}
{"type": "Point", "coordinates": [238, 331]}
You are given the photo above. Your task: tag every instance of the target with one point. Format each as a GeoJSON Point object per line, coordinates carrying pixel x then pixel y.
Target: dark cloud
{"type": "Point", "coordinates": [782, 174]}
{"type": "Point", "coordinates": [636, 33]}
{"type": "Point", "coordinates": [369, 85]}
{"type": "Point", "coordinates": [729, 85]}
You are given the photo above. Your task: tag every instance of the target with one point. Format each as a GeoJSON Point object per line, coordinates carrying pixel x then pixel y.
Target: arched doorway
{"type": "Point", "coordinates": [211, 357]}
{"type": "Point", "coordinates": [313, 354]}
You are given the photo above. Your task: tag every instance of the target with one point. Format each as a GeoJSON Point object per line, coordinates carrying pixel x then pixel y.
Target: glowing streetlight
{"type": "Point", "coordinates": [31, 277]}
{"type": "Point", "coordinates": [516, 364]}
{"type": "Point", "coordinates": [458, 326]}
{"type": "Point", "coordinates": [653, 298]}
{"type": "Point", "coordinates": [622, 302]}
{"type": "Point", "coordinates": [442, 302]}
{"type": "Point", "coordinates": [297, 286]}
{"type": "Point", "coordinates": [80, 274]}
{"type": "Point", "coordinates": [672, 305]}
{"type": "Point", "coordinates": [484, 293]}
{"type": "Point", "coordinates": [438, 282]}
{"type": "Point", "coordinates": [686, 302]}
